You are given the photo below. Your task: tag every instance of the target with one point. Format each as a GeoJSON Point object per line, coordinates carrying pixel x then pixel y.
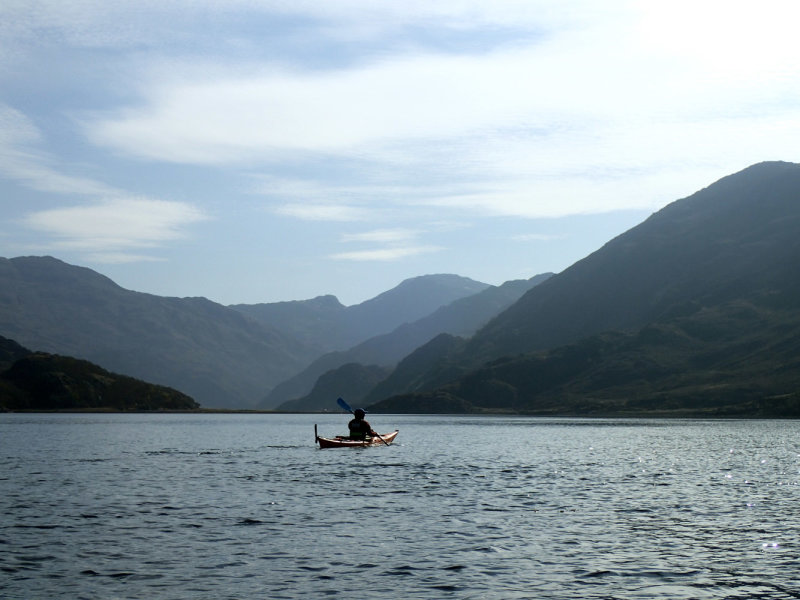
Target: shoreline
{"type": "Point", "coordinates": [676, 415]}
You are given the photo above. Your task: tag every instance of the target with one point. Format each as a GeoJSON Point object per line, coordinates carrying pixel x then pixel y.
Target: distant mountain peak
{"type": "Point", "coordinates": [48, 268]}
{"type": "Point", "coordinates": [447, 282]}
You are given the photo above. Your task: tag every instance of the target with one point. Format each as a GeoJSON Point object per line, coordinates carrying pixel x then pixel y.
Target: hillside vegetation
{"type": "Point", "coordinates": [40, 381]}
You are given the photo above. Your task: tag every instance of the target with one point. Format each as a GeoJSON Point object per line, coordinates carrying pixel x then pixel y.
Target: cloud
{"type": "Point", "coordinates": [322, 212]}
{"type": "Point", "coordinates": [124, 23]}
{"type": "Point", "coordinates": [493, 124]}
{"type": "Point", "coordinates": [385, 254]}
{"type": "Point", "coordinates": [397, 243]}
{"type": "Point", "coordinates": [110, 228]}
{"type": "Point", "coordinates": [367, 110]}
{"type": "Point", "coordinates": [504, 127]}
{"type": "Point", "coordinates": [109, 224]}
{"type": "Point", "coordinates": [218, 112]}
{"type": "Point", "coordinates": [22, 160]}
{"type": "Point", "coordinates": [382, 235]}
{"type": "Point", "coordinates": [599, 74]}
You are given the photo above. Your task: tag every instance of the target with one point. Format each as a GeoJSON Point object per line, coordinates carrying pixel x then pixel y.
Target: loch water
{"type": "Point", "coordinates": [244, 506]}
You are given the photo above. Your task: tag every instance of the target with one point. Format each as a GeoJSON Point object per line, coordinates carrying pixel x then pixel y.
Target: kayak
{"type": "Point", "coordinates": [345, 442]}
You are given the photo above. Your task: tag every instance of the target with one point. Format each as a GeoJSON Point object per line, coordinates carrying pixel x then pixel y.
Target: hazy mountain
{"type": "Point", "coordinates": [38, 381]}
{"type": "Point", "coordinates": [411, 300]}
{"type": "Point", "coordinates": [435, 363]}
{"type": "Point", "coordinates": [210, 352]}
{"type": "Point", "coordinates": [318, 322]}
{"type": "Point", "coordinates": [704, 296]}
{"type": "Point", "coordinates": [217, 354]}
{"type": "Point", "coordinates": [351, 381]}
{"type": "Point", "coordinates": [461, 317]}
{"type": "Point", "coordinates": [327, 325]}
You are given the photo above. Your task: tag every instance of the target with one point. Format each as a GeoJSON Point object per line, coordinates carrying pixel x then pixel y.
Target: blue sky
{"type": "Point", "coordinates": [257, 151]}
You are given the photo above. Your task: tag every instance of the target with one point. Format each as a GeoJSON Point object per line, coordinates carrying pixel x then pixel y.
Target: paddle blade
{"type": "Point", "coordinates": [344, 405]}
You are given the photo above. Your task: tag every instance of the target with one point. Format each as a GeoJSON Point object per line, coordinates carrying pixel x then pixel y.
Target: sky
{"type": "Point", "coordinates": [260, 151]}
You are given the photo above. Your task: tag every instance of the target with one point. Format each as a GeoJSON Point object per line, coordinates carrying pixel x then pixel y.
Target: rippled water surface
{"type": "Point", "coordinates": [245, 506]}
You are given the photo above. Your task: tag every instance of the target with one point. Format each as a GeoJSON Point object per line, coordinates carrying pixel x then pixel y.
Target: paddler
{"type": "Point", "coordinates": [359, 428]}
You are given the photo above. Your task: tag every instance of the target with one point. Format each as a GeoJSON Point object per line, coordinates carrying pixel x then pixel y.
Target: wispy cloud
{"type": "Point", "coordinates": [109, 228]}
{"type": "Point", "coordinates": [600, 88]}
{"type": "Point", "coordinates": [382, 235]}
{"type": "Point", "coordinates": [108, 224]}
{"type": "Point", "coordinates": [384, 254]}
{"type": "Point", "coordinates": [258, 115]}
{"type": "Point", "coordinates": [126, 23]}
{"type": "Point", "coordinates": [21, 159]}
{"type": "Point", "coordinates": [393, 244]}
{"type": "Point", "coordinates": [322, 212]}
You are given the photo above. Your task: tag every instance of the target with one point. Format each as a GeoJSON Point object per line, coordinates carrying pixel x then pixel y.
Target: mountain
{"type": "Point", "coordinates": [10, 352]}
{"type": "Point", "coordinates": [351, 381]}
{"type": "Point", "coordinates": [325, 324]}
{"type": "Point", "coordinates": [462, 317]}
{"type": "Point", "coordinates": [737, 238]}
{"type": "Point", "coordinates": [693, 311]}
{"type": "Point", "coordinates": [208, 351]}
{"type": "Point", "coordinates": [415, 372]}
{"type": "Point", "coordinates": [720, 362]}
{"type": "Point", "coordinates": [10, 394]}
{"type": "Point", "coordinates": [38, 381]}
{"type": "Point", "coordinates": [224, 357]}
{"type": "Point", "coordinates": [318, 322]}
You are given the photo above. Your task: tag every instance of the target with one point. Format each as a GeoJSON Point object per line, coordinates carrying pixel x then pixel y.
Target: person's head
{"type": "Point", "coordinates": [359, 413]}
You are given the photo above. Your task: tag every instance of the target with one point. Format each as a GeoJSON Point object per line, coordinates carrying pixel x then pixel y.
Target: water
{"type": "Point", "coordinates": [245, 507]}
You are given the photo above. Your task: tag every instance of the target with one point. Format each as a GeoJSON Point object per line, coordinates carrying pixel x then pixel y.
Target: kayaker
{"type": "Point", "coordinates": [359, 428]}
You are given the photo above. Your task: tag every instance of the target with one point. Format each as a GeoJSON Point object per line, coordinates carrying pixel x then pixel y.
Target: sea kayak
{"type": "Point", "coordinates": [345, 442]}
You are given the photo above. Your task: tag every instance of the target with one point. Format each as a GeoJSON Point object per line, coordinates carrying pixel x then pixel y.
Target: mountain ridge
{"type": "Point", "coordinates": [216, 354]}
{"type": "Point", "coordinates": [462, 316]}
{"type": "Point", "coordinates": [636, 261]}
{"type": "Point", "coordinates": [733, 243]}
{"type": "Point", "coordinates": [328, 325]}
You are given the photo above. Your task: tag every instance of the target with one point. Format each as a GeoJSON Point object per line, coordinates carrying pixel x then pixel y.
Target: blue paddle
{"type": "Point", "coordinates": [345, 406]}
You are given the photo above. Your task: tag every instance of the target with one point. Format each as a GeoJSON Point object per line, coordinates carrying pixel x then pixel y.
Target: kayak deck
{"type": "Point", "coordinates": [345, 442]}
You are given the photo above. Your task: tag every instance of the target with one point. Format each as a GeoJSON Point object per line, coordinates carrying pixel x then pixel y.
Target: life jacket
{"type": "Point", "coordinates": [359, 429]}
